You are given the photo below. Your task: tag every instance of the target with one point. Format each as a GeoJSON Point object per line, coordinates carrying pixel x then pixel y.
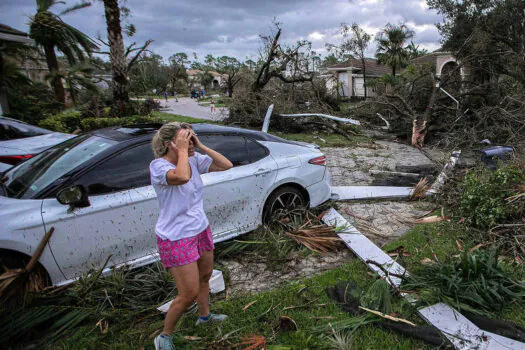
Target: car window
{"type": "Point", "coordinates": [255, 151]}
{"type": "Point", "coordinates": [233, 147]}
{"type": "Point", "coordinates": [128, 169]}
{"type": "Point", "coordinates": [35, 174]}
{"type": "Point", "coordinates": [12, 130]}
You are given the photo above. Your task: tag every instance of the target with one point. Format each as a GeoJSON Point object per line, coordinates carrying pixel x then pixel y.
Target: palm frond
{"type": "Point", "coordinates": [75, 7]}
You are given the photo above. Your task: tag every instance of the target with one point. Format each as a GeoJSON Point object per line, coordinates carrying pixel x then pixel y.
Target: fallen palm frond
{"type": "Point", "coordinates": [253, 342]}
{"type": "Point", "coordinates": [317, 238]}
{"type": "Point", "coordinates": [367, 228]}
{"type": "Point", "coordinates": [348, 324]}
{"type": "Point", "coordinates": [16, 282]}
{"type": "Point", "coordinates": [475, 281]}
{"type": "Point", "coordinates": [420, 190]}
{"type": "Point", "coordinates": [378, 297]}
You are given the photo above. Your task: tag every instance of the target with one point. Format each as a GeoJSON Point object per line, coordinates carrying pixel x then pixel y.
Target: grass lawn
{"type": "Point", "coordinates": [168, 117]}
{"type": "Point", "coordinates": [305, 301]}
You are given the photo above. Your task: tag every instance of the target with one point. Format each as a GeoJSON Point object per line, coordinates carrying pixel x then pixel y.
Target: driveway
{"type": "Point", "coordinates": [190, 108]}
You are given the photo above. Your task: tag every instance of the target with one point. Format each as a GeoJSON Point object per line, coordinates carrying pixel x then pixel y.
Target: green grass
{"type": "Point", "coordinates": [332, 140]}
{"type": "Point", "coordinates": [262, 318]}
{"type": "Point", "coordinates": [168, 117]}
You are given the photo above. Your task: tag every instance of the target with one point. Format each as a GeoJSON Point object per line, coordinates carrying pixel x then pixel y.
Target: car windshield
{"type": "Point", "coordinates": [12, 130]}
{"type": "Point", "coordinates": [35, 174]}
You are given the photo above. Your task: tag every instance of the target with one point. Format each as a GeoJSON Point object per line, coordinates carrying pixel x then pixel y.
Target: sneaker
{"type": "Point", "coordinates": [211, 318]}
{"type": "Point", "coordinates": [163, 342]}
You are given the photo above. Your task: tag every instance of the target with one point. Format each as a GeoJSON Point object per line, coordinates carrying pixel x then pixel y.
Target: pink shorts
{"type": "Point", "coordinates": [186, 250]}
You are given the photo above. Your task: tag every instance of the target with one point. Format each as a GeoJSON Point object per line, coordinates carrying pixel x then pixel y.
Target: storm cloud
{"type": "Point", "coordinates": [232, 27]}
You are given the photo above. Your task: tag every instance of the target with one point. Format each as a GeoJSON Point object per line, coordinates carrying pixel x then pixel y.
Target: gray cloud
{"type": "Point", "coordinates": [231, 27]}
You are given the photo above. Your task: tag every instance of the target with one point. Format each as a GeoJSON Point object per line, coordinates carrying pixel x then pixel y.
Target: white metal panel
{"type": "Point", "coordinates": [367, 192]}
{"type": "Point", "coordinates": [464, 334]}
{"type": "Point", "coordinates": [364, 248]}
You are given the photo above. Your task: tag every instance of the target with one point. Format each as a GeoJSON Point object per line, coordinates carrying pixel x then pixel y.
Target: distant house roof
{"type": "Point", "coordinates": [8, 33]}
{"type": "Point", "coordinates": [429, 58]}
{"type": "Point", "coordinates": [192, 72]}
{"type": "Point", "coordinates": [373, 68]}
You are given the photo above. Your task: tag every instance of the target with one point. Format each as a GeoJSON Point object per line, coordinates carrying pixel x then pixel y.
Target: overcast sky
{"type": "Point", "coordinates": [232, 27]}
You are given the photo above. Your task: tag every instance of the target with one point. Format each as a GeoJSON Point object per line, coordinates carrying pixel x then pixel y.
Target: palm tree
{"type": "Point", "coordinates": [117, 55]}
{"type": "Point", "coordinates": [50, 32]}
{"type": "Point", "coordinates": [391, 49]}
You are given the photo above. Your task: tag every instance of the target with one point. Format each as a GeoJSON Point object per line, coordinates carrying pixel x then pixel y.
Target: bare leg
{"type": "Point", "coordinates": [205, 264]}
{"type": "Point", "coordinates": [187, 281]}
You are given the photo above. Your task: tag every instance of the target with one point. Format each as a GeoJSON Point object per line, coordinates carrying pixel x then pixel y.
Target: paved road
{"type": "Point", "coordinates": [189, 108]}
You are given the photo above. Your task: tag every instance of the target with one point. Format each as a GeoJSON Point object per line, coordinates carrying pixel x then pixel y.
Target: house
{"type": "Point", "coordinates": [348, 76]}
{"type": "Point", "coordinates": [444, 61]}
{"type": "Point", "coordinates": [219, 80]}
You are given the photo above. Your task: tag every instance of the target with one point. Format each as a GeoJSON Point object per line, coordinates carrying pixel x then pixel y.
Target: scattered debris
{"type": "Point", "coordinates": [388, 317]}
{"type": "Point", "coordinates": [420, 190]}
{"type": "Point", "coordinates": [287, 324]}
{"type": "Point", "coordinates": [247, 306]}
{"type": "Point", "coordinates": [342, 120]}
{"type": "Point", "coordinates": [253, 342]}
{"type": "Point", "coordinates": [318, 238]}
{"type": "Point", "coordinates": [15, 282]}
{"type": "Point", "coordinates": [443, 176]}
{"type": "Point", "coordinates": [462, 333]}
{"type": "Point", "coordinates": [452, 324]}
{"type": "Point", "coordinates": [431, 219]}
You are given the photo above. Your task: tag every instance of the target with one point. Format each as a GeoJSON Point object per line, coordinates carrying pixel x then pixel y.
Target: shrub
{"type": "Point", "coordinates": [32, 103]}
{"type": "Point", "coordinates": [483, 192]}
{"type": "Point", "coordinates": [66, 121]}
{"type": "Point", "coordinates": [99, 123]}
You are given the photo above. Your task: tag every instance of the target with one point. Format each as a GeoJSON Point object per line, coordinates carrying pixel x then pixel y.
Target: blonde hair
{"type": "Point", "coordinates": [165, 134]}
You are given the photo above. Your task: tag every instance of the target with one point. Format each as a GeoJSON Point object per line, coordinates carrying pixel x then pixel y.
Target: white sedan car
{"type": "Point", "coordinates": [95, 191]}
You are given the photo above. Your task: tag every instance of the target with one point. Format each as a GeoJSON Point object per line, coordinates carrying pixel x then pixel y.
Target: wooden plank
{"type": "Point", "coordinates": [462, 333]}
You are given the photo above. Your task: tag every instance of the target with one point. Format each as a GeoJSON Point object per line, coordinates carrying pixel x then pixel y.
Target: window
{"type": "Point", "coordinates": [12, 130]}
{"type": "Point", "coordinates": [126, 170]}
{"type": "Point", "coordinates": [238, 149]}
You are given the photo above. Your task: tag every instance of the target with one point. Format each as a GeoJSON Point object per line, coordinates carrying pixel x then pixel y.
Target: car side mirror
{"type": "Point", "coordinates": [76, 196]}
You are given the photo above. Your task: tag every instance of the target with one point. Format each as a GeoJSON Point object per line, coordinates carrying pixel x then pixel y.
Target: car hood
{"type": "Point", "coordinates": [32, 145]}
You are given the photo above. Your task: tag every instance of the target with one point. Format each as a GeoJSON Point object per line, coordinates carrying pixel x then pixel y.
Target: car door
{"type": "Point", "coordinates": [233, 199]}
{"type": "Point", "coordinates": [84, 238]}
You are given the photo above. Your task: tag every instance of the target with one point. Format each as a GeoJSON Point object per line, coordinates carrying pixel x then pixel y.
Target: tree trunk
{"type": "Point", "coordinates": [230, 87]}
{"type": "Point", "coordinates": [120, 106]}
{"type": "Point", "coordinates": [52, 65]}
{"type": "Point", "coordinates": [394, 71]}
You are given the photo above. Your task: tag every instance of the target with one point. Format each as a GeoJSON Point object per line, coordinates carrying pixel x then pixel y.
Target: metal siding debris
{"type": "Point", "coordinates": [462, 333]}
{"type": "Point", "coordinates": [366, 192]}
{"type": "Point", "coordinates": [364, 248]}
{"type": "Point", "coordinates": [266, 123]}
{"type": "Point", "coordinates": [342, 120]}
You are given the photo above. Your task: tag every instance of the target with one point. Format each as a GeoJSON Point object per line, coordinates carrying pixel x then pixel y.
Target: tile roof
{"type": "Point", "coordinates": [10, 30]}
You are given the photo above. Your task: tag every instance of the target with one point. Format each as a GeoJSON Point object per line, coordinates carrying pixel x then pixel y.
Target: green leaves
{"type": "Point", "coordinates": [476, 282]}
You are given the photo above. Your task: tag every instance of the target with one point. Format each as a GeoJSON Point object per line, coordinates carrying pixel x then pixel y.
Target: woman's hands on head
{"type": "Point", "coordinates": [182, 140]}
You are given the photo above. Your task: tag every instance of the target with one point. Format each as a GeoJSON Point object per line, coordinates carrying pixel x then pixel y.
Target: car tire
{"type": "Point", "coordinates": [283, 200]}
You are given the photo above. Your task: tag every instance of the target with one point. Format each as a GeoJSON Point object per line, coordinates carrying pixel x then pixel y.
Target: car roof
{"type": "Point", "coordinates": [122, 133]}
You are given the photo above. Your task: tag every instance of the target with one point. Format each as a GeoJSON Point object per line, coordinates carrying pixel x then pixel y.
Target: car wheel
{"type": "Point", "coordinates": [282, 201]}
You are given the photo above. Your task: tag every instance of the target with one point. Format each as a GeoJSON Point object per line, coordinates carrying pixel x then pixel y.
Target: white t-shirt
{"type": "Point", "coordinates": [181, 207]}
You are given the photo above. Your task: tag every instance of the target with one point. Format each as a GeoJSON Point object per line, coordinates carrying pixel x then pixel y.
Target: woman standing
{"type": "Point", "coordinates": [184, 238]}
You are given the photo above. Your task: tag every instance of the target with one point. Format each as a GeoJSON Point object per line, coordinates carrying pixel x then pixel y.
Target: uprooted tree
{"type": "Point", "coordinates": [284, 75]}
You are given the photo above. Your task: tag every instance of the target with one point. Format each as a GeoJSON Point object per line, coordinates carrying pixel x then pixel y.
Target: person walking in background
{"type": "Point", "coordinates": [166, 95]}
{"type": "Point", "coordinates": [212, 105]}
{"type": "Point", "coordinates": [184, 238]}
{"type": "Point", "coordinates": [175, 95]}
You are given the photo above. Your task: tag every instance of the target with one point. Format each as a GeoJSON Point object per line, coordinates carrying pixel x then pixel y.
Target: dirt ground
{"type": "Point", "coordinates": [381, 221]}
